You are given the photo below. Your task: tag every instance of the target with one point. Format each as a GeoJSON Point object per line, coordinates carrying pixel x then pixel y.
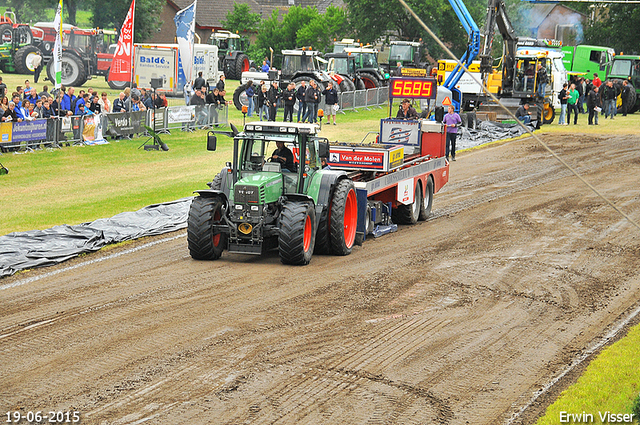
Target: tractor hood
{"type": "Point", "coordinates": [258, 188]}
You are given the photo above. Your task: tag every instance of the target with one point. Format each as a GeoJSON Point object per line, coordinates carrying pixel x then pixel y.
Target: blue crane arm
{"type": "Point", "coordinates": [473, 48]}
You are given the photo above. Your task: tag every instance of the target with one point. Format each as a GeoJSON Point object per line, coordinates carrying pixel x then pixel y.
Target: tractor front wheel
{"type": "Point", "coordinates": [205, 243]}
{"type": "Point", "coordinates": [297, 233]}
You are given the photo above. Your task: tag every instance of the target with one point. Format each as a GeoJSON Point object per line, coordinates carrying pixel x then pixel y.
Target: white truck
{"type": "Point", "coordinates": [160, 61]}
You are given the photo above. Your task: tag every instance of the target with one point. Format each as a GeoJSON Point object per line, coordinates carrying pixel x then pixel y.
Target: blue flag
{"type": "Point", "coordinates": [185, 21]}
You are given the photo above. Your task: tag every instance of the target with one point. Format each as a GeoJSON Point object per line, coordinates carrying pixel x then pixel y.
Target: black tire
{"type": "Point", "coordinates": [359, 84]}
{"type": "Point", "coordinates": [343, 218]}
{"type": "Point", "coordinates": [23, 59]}
{"type": "Point", "coordinates": [216, 183]}
{"type": "Point", "coordinates": [117, 85]}
{"type": "Point", "coordinates": [349, 85]}
{"type": "Point", "coordinates": [297, 233]}
{"type": "Point", "coordinates": [632, 97]}
{"type": "Point", "coordinates": [73, 71]}
{"type": "Point", "coordinates": [370, 81]}
{"type": "Point", "coordinates": [427, 201]}
{"type": "Point", "coordinates": [25, 36]}
{"type": "Point", "coordinates": [408, 214]}
{"type": "Point", "coordinates": [204, 243]}
{"type": "Point", "coordinates": [240, 97]}
{"type": "Point", "coordinates": [241, 65]}
{"type": "Point", "coordinates": [6, 33]}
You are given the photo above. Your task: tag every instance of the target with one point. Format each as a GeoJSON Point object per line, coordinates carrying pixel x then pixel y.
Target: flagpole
{"type": "Point", "coordinates": [133, 30]}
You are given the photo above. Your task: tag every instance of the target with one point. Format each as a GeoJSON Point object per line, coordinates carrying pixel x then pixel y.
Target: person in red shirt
{"type": "Point", "coordinates": [596, 80]}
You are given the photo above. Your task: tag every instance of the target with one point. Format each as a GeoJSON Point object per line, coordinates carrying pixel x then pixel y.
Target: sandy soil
{"type": "Point", "coordinates": [457, 320]}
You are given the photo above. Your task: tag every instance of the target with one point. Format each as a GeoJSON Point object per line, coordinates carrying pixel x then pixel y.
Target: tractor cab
{"type": "Point", "coordinates": [406, 52]}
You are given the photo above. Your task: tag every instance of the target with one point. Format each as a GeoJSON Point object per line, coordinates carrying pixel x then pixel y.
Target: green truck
{"type": "Point", "coordinates": [587, 60]}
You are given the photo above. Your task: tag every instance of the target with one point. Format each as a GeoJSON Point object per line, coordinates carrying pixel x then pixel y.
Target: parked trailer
{"type": "Point", "coordinates": [160, 61]}
{"type": "Point", "coordinates": [270, 199]}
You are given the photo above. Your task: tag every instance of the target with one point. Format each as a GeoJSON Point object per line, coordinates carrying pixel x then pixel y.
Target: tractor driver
{"type": "Point", "coordinates": [284, 156]}
{"type": "Point", "coordinates": [407, 112]}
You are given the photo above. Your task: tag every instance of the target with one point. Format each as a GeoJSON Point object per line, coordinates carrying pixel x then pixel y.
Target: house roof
{"type": "Point", "coordinates": [210, 13]}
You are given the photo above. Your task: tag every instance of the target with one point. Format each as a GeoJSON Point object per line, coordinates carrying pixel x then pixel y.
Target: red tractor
{"type": "Point", "coordinates": [85, 52]}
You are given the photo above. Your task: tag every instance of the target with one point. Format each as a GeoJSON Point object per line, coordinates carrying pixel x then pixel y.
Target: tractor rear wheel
{"type": "Point", "coordinates": [240, 97]}
{"type": "Point", "coordinates": [343, 218]}
{"type": "Point", "coordinates": [204, 242]}
{"type": "Point", "coordinates": [297, 233]}
{"type": "Point", "coordinates": [347, 85]}
{"type": "Point", "coordinates": [241, 65]}
{"type": "Point", "coordinates": [6, 33]}
{"type": "Point", "coordinates": [408, 214]}
{"type": "Point", "coordinates": [118, 85]}
{"type": "Point", "coordinates": [370, 81]}
{"type": "Point", "coordinates": [23, 60]}
{"type": "Point", "coordinates": [73, 71]}
{"type": "Point", "coordinates": [427, 201]}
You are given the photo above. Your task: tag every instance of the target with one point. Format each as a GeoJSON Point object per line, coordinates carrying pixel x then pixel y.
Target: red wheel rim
{"type": "Point", "coordinates": [368, 84]}
{"type": "Point", "coordinates": [216, 219]}
{"type": "Point", "coordinates": [307, 234]}
{"type": "Point", "coordinates": [350, 218]}
{"type": "Point", "coordinates": [245, 65]}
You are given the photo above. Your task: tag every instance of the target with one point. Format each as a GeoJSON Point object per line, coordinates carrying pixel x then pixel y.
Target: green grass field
{"type": "Point", "coordinates": [78, 184]}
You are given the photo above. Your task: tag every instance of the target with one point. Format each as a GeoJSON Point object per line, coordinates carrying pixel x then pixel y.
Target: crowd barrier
{"type": "Point", "coordinates": [88, 129]}
{"type": "Point", "coordinates": [352, 100]}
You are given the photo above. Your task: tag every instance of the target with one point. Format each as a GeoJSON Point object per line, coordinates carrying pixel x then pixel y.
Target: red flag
{"type": "Point", "coordinates": [121, 64]}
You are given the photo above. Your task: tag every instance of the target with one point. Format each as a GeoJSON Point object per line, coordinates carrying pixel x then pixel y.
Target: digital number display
{"type": "Point", "coordinates": [413, 88]}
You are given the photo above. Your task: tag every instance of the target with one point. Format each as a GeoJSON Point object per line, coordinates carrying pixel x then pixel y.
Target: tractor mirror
{"type": "Point", "coordinates": [323, 150]}
{"type": "Point", "coordinates": [212, 140]}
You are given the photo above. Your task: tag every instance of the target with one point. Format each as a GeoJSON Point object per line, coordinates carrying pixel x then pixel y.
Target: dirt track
{"type": "Point", "coordinates": [457, 320]}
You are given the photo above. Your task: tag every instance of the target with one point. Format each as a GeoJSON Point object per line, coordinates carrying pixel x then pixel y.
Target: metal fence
{"type": "Point", "coordinates": [89, 129]}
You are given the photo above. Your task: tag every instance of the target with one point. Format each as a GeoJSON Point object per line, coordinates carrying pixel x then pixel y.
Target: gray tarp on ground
{"type": "Point", "coordinates": [39, 248]}
{"type": "Point", "coordinates": [487, 131]}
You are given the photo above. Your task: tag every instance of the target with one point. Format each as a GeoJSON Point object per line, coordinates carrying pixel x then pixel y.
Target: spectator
{"type": "Point", "coordinates": [289, 97]}
{"type": "Point", "coordinates": [20, 92]}
{"type": "Point", "coordinates": [541, 78]}
{"type": "Point", "coordinates": [593, 104]}
{"type": "Point", "coordinates": [201, 114]}
{"type": "Point", "coordinates": [624, 95]}
{"type": "Point", "coordinates": [82, 100]}
{"type": "Point", "coordinates": [582, 92]}
{"type": "Point", "coordinates": [16, 100]}
{"type": "Point", "coordinates": [220, 83]}
{"type": "Point", "coordinates": [44, 92]}
{"type": "Point", "coordinates": [563, 96]}
{"type": "Point", "coordinates": [47, 111]}
{"type": "Point", "coordinates": [157, 101]}
{"type": "Point", "coordinates": [27, 86]}
{"type": "Point", "coordinates": [609, 96]}
{"type": "Point", "coordinates": [146, 99]}
{"type": "Point", "coordinates": [82, 110]}
{"type": "Point", "coordinates": [523, 113]}
{"type": "Point", "coordinates": [221, 96]}
{"type": "Point", "coordinates": [331, 100]}
{"type": "Point", "coordinates": [212, 97]}
{"type": "Point", "coordinates": [451, 122]}
{"type": "Point", "coordinates": [136, 104]}
{"type": "Point", "coordinates": [596, 80]}
{"type": "Point", "coordinates": [36, 62]}
{"type": "Point", "coordinates": [119, 104]}
{"type": "Point", "coordinates": [188, 92]}
{"type": "Point", "coordinates": [11, 114]}
{"type": "Point", "coordinates": [312, 98]}
{"type": "Point", "coordinates": [250, 92]}
{"type": "Point", "coordinates": [94, 105]}
{"type": "Point", "coordinates": [4, 103]}
{"type": "Point", "coordinates": [265, 66]}
{"type": "Point", "coordinates": [127, 98]}
{"type": "Point", "coordinates": [302, 105]}
{"type": "Point", "coordinates": [263, 107]}
{"type": "Point", "coordinates": [273, 95]}
{"type": "Point", "coordinates": [38, 108]}
{"type": "Point", "coordinates": [32, 96]}
{"type": "Point", "coordinates": [3, 90]}
{"type": "Point", "coordinates": [163, 98]}
{"type": "Point", "coordinates": [407, 112]}
{"type": "Point", "coordinates": [25, 111]}
{"type": "Point", "coordinates": [199, 83]}
{"type": "Point", "coordinates": [572, 104]}
{"type": "Point", "coordinates": [67, 97]}
{"type": "Point", "coordinates": [105, 104]}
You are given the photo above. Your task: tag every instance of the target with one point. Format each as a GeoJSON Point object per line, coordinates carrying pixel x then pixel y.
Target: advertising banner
{"type": "Point", "coordinates": [125, 123]}
{"type": "Point", "coordinates": [399, 132]}
{"type": "Point", "coordinates": [179, 114]}
{"type": "Point", "coordinates": [29, 130]}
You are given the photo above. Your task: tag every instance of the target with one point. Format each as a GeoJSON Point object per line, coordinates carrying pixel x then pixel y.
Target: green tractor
{"type": "Point", "coordinates": [255, 205]}
{"type": "Point", "coordinates": [232, 59]}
